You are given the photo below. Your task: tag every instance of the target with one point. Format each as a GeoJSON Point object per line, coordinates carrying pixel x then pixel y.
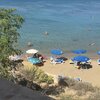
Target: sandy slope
{"type": "Point", "coordinates": [88, 75]}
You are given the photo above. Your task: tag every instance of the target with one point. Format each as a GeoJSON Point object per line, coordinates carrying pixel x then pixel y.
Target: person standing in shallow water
{"type": "Point", "coordinates": [29, 44]}
{"type": "Point", "coordinates": [46, 33]}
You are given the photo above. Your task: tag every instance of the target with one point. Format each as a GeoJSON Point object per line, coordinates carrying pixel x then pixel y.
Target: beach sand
{"type": "Point", "coordinates": [66, 69]}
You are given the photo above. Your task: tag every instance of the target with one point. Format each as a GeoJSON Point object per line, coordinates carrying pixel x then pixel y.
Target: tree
{"type": "Point", "coordinates": [10, 22]}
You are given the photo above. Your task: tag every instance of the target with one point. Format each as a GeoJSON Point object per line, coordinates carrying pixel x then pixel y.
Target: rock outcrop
{"type": "Point", "coordinates": [11, 91]}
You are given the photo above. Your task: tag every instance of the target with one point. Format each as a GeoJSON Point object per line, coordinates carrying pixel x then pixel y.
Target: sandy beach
{"type": "Point", "coordinates": [66, 69]}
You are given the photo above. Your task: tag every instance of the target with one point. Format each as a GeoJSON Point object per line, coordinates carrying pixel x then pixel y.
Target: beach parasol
{"type": "Point", "coordinates": [79, 51]}
{"type": "Point", "coordinates": [56, 52]}
{"type": "Point", "coordinates": [31, 51]}
{"type": "Point", "coordinates": [81, 59]}
{"type": "Point", "coordinates": [98, 52]}
{"type": "Point", "coordinates": [34, 60]}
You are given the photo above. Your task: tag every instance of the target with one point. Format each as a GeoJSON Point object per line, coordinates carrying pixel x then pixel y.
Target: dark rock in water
{"type": "Point", "coordinates": [89, 30]}
{"type": "Point", "coordinates": [29, 44]}
{"type": "Point", "coordinates": [75, 40]}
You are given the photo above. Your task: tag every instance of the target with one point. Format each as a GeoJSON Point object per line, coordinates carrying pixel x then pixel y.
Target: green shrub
{"type": "Point", "coordinates": [4, 73]}
{"type": "Point", "coordinates": [37, 75]}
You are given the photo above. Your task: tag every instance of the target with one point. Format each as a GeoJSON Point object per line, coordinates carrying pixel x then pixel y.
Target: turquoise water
{"type": "Point", "coordinates": [71, 24]}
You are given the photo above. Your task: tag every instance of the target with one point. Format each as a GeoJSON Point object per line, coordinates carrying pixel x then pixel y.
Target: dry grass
{"type": "Point", "coordinates": [81, 88]}
{"type": "Point", "coordinates": [68, 97]}
{"type": "Point", "coordinates": [95, 96]}
{"type": "Point", "coordinates": [54, 90]}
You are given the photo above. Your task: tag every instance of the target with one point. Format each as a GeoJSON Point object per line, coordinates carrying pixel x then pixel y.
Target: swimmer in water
{"type": "Point", "coordinates": [29, 44]}
{"type": "Point", "coordinates": [46, 33]}
{"type": "Point", "coordinates": [91, 44]}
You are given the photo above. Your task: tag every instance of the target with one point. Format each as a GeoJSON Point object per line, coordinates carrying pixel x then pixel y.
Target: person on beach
{"type": "Point", "coordinates": [35, 55]}
{"type": "Point", "coordinates": [38, 56]}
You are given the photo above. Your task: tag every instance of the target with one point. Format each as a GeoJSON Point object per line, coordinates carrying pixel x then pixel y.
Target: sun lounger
{"type": "Point", "coordinates": [98, 61]}
{"type": "Point", "coordinates": [57, 61]}
{"type": "Point", "coordinates": [71, 62]}
{"type": "Point", "coordinates": [89, 61]}
{"type": "Point", "coordinates": [34, 60]}
{"type": "Point", "coordinates": [51, 58]}
{"type": "Point", "coordinates": [78, 67]}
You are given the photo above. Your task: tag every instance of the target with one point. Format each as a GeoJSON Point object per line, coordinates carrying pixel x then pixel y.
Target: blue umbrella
{"type": "Point", "coordinates": [56, 52]}
{"type": "Point", "coordinates": [81, 59]}
{"type": "Point", "coordinates": [98, 52]}
{"type": "Point", "coordinates": [79, 51]}
{"type": "Point", "coordinates": [34, 60]}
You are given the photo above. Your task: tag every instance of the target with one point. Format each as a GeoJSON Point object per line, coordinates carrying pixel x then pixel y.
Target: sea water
{"type": "Point", "coordinates": [58, 24]}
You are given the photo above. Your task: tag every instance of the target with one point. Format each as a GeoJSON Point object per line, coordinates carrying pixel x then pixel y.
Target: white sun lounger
{"type": "Point", "coordinates": [98, 61]}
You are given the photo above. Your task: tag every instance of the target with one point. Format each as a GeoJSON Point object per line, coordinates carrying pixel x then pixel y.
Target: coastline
{"type": "Point", "coordinates": [68, 54]}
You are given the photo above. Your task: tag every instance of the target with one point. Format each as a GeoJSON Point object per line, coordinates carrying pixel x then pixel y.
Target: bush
{"type": "Point", "coordinates": [77, 85]}
{"type": "Point", "coordinates": [80, 92]}
{"type": "Point", "coordinates": [70, 82]}
{"type": "Point", "coordinates": [66, 82]}
{"type": "Point", "coordinates": [95, 96]}
{"type": "Point", "coordinates": [37, 75]}
{"type": "Point", "coordinates": [54, 90]}
{"type": "Point", "coordinates": [4, 73]}
{"type": "Point", "coordinates": [83, 86]}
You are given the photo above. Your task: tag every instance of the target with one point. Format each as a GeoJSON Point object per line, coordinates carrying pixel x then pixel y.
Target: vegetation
{"type": "Point", "coordinates": [95, 96]}
{"type": "Point", "coordinates": [10, 22]}
{"type": "Point", "coordinates": [82, 90]}
{"type": "Point", "coordinates": [36, 75]}
{"type": "Point", "coordinates": [54, 90]}
{"type": "Point", "coordinates": [77, 85]}
{"type": "Point", "coordinates": [5, 74]}
{"type": "Point", "coordinates": [68, 97]}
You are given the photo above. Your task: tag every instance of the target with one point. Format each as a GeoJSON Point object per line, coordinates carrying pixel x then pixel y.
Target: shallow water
{"type": "Point", "coordinates": [71, 24]}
